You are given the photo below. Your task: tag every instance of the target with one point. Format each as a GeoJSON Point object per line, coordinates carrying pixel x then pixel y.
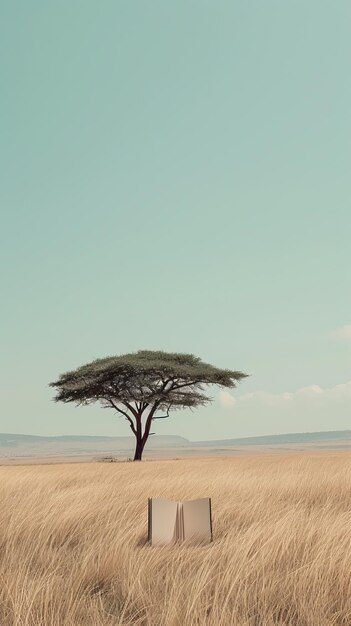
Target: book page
{"type": "Point", "coordinates": [197, 521]}
{"type": "Point", "coordinates": [162, 521]}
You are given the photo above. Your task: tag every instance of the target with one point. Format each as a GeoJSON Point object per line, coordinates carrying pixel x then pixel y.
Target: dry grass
{"type": "Point", "coordinates": [73, 551]}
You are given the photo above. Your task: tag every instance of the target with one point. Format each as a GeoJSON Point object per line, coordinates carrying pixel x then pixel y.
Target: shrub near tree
{"type": "Point", "coordinates": [141, 385]}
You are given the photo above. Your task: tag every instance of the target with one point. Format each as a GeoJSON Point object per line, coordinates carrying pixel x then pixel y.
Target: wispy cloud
{"type": "Point", "coordinates": [226, 400]}
{"type": "Point", "coordinates": [308, 408]}
{"type": "Point", "coordinates": [342, 333]}
{"type": "Point", "coordinates": [308, 393]}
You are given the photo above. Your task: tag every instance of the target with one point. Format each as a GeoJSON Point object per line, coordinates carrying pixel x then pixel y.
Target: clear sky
{"type": "Point", "coordinates": [176, 176]}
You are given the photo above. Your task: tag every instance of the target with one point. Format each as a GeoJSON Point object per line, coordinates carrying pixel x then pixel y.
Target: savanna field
{"type": "Point", "coordinates": [73, 548]}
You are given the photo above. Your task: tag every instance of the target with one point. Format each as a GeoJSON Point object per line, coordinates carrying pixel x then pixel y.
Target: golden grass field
{"type": "Point", "coordinates": [73, 548]}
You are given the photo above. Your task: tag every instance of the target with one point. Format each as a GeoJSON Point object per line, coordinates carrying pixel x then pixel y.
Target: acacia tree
{"type": "Point", "coordinates": [140, 385]}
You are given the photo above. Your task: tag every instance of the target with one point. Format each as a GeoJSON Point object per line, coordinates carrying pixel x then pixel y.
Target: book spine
{"type": "Point", "coordinates": [180, 523]}
{"type": "Point", "coordinates": [211, 528]}
{"type": "Point", "coordinates": [149, 520]}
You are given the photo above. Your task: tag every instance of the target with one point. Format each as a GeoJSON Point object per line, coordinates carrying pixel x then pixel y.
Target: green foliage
{"type": "Point", "coordinates": [170, 380]}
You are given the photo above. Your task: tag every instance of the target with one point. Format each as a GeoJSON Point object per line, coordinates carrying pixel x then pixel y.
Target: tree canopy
{"type": "Point", "coordinates": [139, 385]}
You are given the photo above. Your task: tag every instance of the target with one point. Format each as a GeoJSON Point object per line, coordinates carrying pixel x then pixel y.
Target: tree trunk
{"type": "Point", "coordinates": [141, 439]}
{"type": "Point", "coordinates": [138, 449]}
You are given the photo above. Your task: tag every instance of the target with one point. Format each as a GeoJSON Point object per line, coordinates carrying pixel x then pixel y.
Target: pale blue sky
{"type": "Point", "coordinates": [176, 176]}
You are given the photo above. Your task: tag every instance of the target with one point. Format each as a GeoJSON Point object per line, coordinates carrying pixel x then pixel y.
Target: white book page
{"type": "Point", "coordinates": [163, 521]}
{"type": "Point", "coordinates": [197, 521]}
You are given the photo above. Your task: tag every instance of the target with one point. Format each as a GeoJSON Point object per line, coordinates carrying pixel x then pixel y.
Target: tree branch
{"type": "Point", "coordinates": [188, 384]}
{"type": "Point", "coordinates": [161, 417]}
{"type": "Point", "coordinates": [130, 408]}
{"type": "Point", "coordinates": [114, 406]}
{"type": "Point", "coordinates": [148, 421]}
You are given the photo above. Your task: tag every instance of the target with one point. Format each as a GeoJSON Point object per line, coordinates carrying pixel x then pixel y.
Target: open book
{"type": "Point", "coordinates": [178, 522]}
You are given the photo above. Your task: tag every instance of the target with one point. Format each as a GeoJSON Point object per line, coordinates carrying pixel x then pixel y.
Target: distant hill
{"type": "Point", "coordinates": [276, 439]}
{"type": "Point", "coordinates": [15, 439]}
{"type": "Point", "coordinates": [17, 445]}
{"type": "Point", "coordinates": [35, 445]}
